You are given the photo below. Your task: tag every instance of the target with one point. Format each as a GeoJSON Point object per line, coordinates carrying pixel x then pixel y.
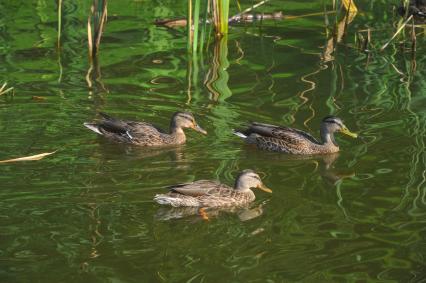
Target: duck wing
{"type": "Point", "coordinates": [114, 126]}
{"type": "Point", "coordinates": [279, 132]}
{"type": "Point", "coordinates": [200, 188]}
{"type": "Point", "coordinates": [125, 131]}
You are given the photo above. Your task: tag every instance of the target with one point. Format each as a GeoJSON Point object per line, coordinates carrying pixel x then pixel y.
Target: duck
{"type": "Point", "coordinates": [143, 133]}
{"type": "Point", "coordinates": [417, 8]}
{"type": "Point", "coordinates": [208, 193]}
{"type": "Point", "coordinates": [294, 141]}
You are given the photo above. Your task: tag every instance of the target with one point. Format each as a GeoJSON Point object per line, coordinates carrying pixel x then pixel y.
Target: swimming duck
{"type": "Point", "coordinates": [416, 8]}
{"type": "Point", "coordinates": [294, 141]}
{"type": "Point", "coordinates": [206, 193]}
{"type": "Point", "coordinates": [145, 134]}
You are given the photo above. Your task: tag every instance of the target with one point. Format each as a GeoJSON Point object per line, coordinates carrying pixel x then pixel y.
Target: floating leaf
{"type": "Point", "coordinates": [28, 158]}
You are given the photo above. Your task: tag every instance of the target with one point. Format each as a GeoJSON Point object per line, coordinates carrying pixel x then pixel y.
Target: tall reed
{"type": "Point", "coordinates": [97, 19]}
{"type": "Point", "coordinates": [215, 12]}
{"type": "Point", "coordinates": [196, 25]}
{"type": "Point", "coordinates": [59, 23]}
{"type": "Point", "coordinates": [220, 10]}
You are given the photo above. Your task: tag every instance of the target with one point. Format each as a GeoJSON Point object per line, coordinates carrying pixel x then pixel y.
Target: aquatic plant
{"type": "Point", "coordinates": [59, 22]}
{"type": "Point", "coordinates": [220, 10]}
{"type": "Point", "coordinates": [97, 19]}
{"type": "Point", "coordinates": [216, 12]}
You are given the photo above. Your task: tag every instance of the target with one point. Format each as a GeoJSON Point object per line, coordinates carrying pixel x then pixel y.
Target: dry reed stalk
{"type": "Point", "coordinates": [309, 15]}
{"type": "Point", "coordinates": [368, 39]}
{"type": "Point", "coordinates": [94, 39]}
{"type": "Point", "coordinates": [28, 158]}
{"type": "Point", "coordinates": [220, 16]}
{"type": "Point", "coordinates": [3, 90]}
{"type": "Point", "coordinates": [396, 33]}
{"type": "Point", "coordinates": [189, 25]}
{"type": "Point", "coordinates": [215, 10]}
{"type": "Point", "coordinates": [89, 36]}
{"type": "Point", "coordinates": [413, 37]}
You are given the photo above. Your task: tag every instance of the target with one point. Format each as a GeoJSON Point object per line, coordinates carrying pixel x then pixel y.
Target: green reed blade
{"type": "Point", "coordinates": [189, 25]}
{"type": "Point", "coordinates": [204, 27]}
{"type": "Point", "coordinates": [224, 15]}
{"type": "Point", "coordinates": [196, 25]}
{"type": "Point", "coordinates": [59, 22]}
{"type": "Point", "coordinates": [238, 5]}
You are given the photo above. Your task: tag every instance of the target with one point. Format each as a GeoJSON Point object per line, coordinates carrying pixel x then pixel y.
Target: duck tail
{"type": "Point", "coordinates": [239, 134]}
{"type": "Point", "coordinates": [93, 127]}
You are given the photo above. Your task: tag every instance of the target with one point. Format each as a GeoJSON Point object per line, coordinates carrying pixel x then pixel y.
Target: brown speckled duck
{"type": "Point", "coordinates": [294, 141]}
{"type": "Point", "coordinates": [145, 134]}
{"type": "Point", "coordinates": [206, 193]}
{"type": "Point", "coordinates": [417, 8]}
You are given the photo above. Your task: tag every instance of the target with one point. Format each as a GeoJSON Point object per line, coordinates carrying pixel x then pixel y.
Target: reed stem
{"type": "Point", "coordinates": [196, 25]}
{"type": "Point", "coordinates": [189, 25]}
{"type": "Point", "coordinates": [59, 22]}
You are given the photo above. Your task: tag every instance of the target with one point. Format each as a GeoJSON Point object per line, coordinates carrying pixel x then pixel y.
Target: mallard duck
{"type": "Point", "coordinates": [417, 8]}
{"type": "Point", "coordinates": [294, 141]}
{"type": "Point", "coordinates": [206, 193]}
{"type": "Point", "coordinates": [145, 134]}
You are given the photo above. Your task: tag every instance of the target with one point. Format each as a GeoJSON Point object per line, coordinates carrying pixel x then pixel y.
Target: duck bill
{"type": "Point", "coordinates": [264, 188]}
{"type": "Point", "coordinates": [200, 130]}
{"type": "Point", "coordinates": [346, 131]}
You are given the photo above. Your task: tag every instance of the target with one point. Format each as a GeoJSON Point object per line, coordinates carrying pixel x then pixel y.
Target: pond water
{"type": "Point", "coordinates": [85, 214]}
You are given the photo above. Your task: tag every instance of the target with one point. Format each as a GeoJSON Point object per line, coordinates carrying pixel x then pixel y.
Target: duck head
{"type": "Point", "coordinates": [248, 179]}
{"type": "Point", "coordinates": [186, 120]}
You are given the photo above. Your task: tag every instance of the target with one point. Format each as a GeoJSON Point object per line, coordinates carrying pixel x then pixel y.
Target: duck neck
{"type": "Point", "coordinates": [177, 133]}
{"type": "Point", "coordinates": [241, 186]}
{"type": "Point", "coordinates": [327, 137]}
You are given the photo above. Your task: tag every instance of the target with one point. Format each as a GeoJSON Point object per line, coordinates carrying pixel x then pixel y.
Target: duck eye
{"type": "Point", "coordinates": [255, 177]}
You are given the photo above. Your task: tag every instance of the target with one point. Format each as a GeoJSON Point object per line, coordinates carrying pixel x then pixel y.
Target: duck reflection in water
{"type": "Point", "coordinates": [244, 213]}
{"type": "Point", "coordinates": [327, 171]}
{"type": "Point", "coordinates": [323, 165]}
{"type": "Point", "coordinates": [111, 150]}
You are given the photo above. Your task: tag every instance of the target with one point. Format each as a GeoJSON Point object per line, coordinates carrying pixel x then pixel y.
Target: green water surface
{"type": "Point", "coordinates": [85, 214]}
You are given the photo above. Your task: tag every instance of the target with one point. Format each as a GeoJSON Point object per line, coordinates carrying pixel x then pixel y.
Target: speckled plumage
{"type": "Point", "coordinates": [143, 133]}
{"type": "Point", "coordinates": [417, 8]}
{"type": "Point", "coordinates": [294, 141]}
{"type": "Point", "coordinates": [206, 193]}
